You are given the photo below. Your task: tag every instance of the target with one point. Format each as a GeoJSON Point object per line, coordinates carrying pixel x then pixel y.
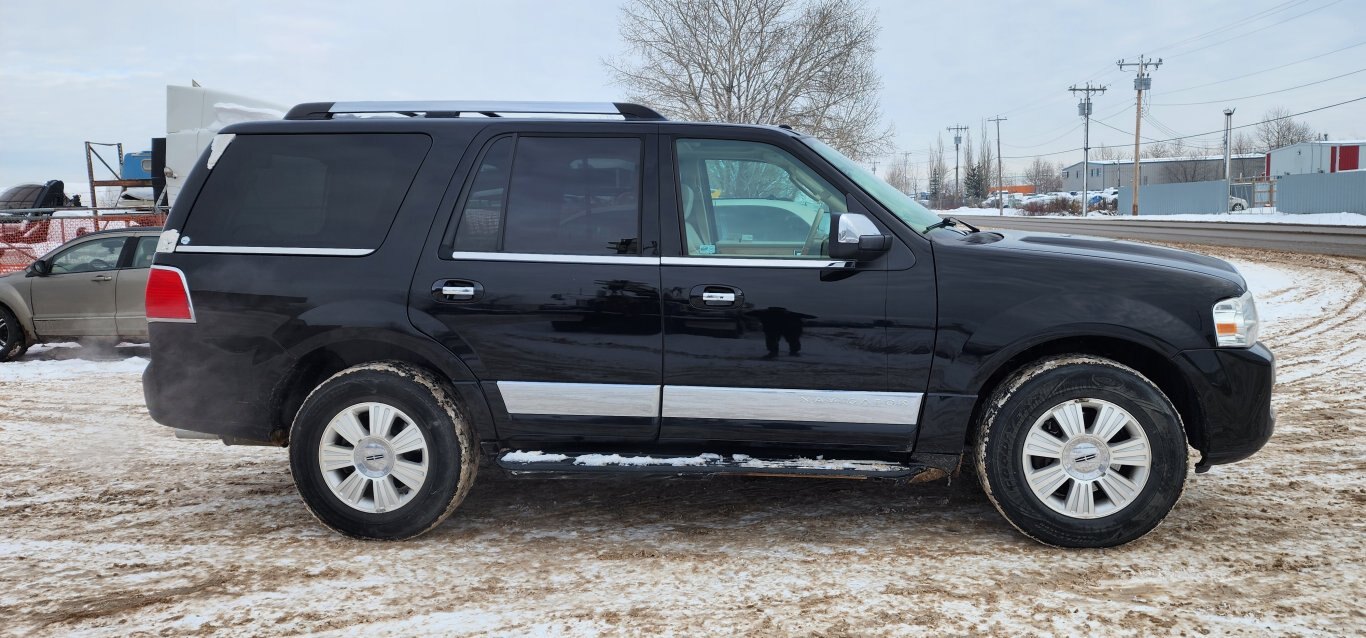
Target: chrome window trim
{"type": "Point", "coordinates": [555, 258]}
{"type": "Point", "coordinates": [756, 262]}
{"type": "Point", "coordinates": [580, 399]}
{"type": "Point", "coordinates": [780, 404]}
{"type": "Point", "coordinates": [275, 250]}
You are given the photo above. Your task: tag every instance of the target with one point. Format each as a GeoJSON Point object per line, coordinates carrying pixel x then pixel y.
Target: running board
{"type": "Point", "coordinates": [522, 462]}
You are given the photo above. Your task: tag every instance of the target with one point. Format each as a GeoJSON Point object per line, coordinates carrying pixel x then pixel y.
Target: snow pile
{"type": "Point", "coordinates": [68, 369]}
{"type": "Point", "coordinates": [821, 463]}
{"type": "Point", "coordinates": [532, 457]}
{"type": "Point", "coordinates": [602, 460]}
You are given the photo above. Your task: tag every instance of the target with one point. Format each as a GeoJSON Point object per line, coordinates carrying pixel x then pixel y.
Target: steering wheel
{"type": "Point", "coordinates": [98, 264]}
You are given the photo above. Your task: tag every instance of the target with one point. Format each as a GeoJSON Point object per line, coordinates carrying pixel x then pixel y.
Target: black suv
{"type": "Point", "coordinates": [397, 297]}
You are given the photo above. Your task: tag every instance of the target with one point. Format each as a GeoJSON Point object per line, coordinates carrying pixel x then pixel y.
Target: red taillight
{"type": "Point", "coordinates": [168, 296]}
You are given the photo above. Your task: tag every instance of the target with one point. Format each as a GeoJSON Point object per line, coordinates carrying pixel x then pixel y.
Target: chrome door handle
{"type": "Point", "coordinates": [458, 292]}
{"type": "Point", "coordinates": [718, 297]}
{"type": "Point", "coordinates": [103, 278]}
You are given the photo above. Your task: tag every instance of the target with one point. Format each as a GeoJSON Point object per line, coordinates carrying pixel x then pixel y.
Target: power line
{"type": "Point", "coordinates": [1234, 99]}
{"type": "Point", "coordinates": [1219, 131]}
{"type": "Point", "coordinates": [1244, 34]}
{"type": "Point", "coordinates": [1274, 68]}
{"type": "Point", "coordinates": [1226, 27]}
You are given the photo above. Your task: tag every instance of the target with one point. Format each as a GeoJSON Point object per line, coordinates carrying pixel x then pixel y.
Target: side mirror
{"type": "Point", "coordinates": [854, 236]}
{"type": "Point", "coordinates": [39, 268]}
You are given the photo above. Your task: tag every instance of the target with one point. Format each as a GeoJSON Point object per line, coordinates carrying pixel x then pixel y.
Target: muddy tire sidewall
{"type": "Point", "coordinates": [452, 460]}
{"type": "Point", "coordinates": [1026, 397]}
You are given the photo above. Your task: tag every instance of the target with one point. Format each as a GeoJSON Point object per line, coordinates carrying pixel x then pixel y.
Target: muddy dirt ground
{"type": "Point", "coordinates": [113, 527]}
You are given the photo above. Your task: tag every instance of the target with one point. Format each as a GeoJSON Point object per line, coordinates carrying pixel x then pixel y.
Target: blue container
{"type": "Point", "coordinates": [137, 165]}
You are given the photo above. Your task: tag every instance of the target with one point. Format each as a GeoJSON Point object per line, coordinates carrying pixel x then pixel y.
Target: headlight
{"type": "Point", "coordinates": [1235, 321]}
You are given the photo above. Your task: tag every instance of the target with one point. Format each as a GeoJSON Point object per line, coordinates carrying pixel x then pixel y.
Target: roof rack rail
{"type": "Point", "coordinates": [326, 110]}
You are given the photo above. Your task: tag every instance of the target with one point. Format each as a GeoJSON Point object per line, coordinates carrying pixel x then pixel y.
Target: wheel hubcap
{"type": "Point", "coordinates": [373, 457]}
{"type": "Point", "coordinates": [1086, 458]}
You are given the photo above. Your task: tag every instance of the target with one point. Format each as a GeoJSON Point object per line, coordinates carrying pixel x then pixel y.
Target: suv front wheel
{"type": "Point", "coordinates": [1081, 451]}
{"type": "Point", "coordinates": [381, 451]}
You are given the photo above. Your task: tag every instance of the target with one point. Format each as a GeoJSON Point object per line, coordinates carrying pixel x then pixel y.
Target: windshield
{"type": "Point", "coordinates": [908, 210]}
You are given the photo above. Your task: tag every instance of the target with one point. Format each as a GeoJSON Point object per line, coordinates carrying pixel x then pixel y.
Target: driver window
{"type": "Point", "coordinates": [92, 256]}
{"type": "Point", "coordinates": [750, 199]}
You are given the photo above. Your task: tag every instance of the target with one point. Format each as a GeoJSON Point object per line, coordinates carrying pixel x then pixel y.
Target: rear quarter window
{"type": "Point", "coordinates": [306, 191]}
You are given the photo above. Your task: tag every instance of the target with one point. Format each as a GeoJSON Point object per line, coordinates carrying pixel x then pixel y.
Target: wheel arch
{"type": "Point", "coordinates": [1148, 361]}
{"type": "Point", "coordinates": [322, 361]}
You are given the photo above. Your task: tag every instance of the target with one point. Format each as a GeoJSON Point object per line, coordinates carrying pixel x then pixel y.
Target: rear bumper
{"type": "Point", "coordinates": [182, 399]}
{"type": "Point", "coordinates": [1233, 389]}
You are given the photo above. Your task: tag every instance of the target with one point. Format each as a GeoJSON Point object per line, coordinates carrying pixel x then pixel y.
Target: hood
{"type": "Point", "coordinates": [1114, 249]}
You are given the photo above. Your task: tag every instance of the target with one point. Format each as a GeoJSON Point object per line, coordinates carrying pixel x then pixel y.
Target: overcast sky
{"type": "Point", "coordinates": [75, 71]}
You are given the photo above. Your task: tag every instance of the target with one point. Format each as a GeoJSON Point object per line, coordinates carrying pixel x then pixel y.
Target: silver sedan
{"type": "Point", "coordinates": [90, 288]}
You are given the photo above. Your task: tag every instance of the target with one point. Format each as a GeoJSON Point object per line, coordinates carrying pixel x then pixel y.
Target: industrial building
{"type": "Point", "coordinates": [1162, 170]}
{"type": "Point", "coordinates": [1318, 156]}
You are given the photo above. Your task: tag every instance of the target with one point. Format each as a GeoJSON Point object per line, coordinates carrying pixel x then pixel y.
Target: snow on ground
{"type": "Point", "coordinates": [1264, 216]}
{"type": "Point", "coordinates": [112, 527]}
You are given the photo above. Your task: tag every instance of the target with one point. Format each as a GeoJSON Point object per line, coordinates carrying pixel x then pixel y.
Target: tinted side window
{"type": "Point", "coordinates": [576, 196]}
{"type": "Point", "coordinates": [306, 191]}
{"type": "Point", "coordinates": [481, 218]}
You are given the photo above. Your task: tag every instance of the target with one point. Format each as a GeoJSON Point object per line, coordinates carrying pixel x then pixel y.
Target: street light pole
{"type": "Point", "coordinates": [1228, 156]}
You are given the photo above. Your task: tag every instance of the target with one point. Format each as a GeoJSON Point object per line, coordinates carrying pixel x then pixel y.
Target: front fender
{"type": "Point", "coordinates": [1001, 337]}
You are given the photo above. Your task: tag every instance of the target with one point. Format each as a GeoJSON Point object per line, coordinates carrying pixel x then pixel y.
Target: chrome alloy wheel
{"type": "Point", "coordinates": [1086, 458]}
{"type": "Point", "coordinates": [374, 457]}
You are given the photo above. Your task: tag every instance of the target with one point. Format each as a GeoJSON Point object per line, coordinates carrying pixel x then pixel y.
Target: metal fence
{"type": "Point", "coordinates": [1320, 193]}
{"type": "Point", "coordinates": [1175, 199]}
{"type": "Point", "coordinates": [24, 238]}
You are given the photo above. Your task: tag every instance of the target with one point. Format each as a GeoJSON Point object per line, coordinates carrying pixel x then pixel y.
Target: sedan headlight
{"type": "Point", "coordinates": [1235, 321]}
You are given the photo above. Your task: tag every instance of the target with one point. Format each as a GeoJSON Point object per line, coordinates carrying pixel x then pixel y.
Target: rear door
{"type": "Point", "coordinates": [130, 295]}
{"type": "Point", "coordinates": [546, 283]}
{"type": "Point", "coordinates": [767, 339]}
{"type": "Point", "coordinates": [77, 296]}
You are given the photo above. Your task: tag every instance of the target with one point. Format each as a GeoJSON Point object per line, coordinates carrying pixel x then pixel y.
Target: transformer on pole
{"type": "Point", "coordinates": [1084, 110]}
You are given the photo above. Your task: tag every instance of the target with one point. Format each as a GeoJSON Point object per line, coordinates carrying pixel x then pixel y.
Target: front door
{"type": "Point", "coordinates": [767, 339]}
{"type": "Point", "coordinates": [76, 298]}
{"type": "Point", "coordinates": [547, 286]}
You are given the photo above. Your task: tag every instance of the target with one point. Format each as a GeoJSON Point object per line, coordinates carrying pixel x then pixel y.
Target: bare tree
{"type": "Point", "coordinates": [986, 155]}
{"type": "Point", "coordinates": [939, 169]}
{"type": "Point", "coordinates": [1044, 175]}
{"type": "Point", "coordinates": [804, 63]}
{"type": "Point", "coordinates": [1279, 129]}
{"type": "Point", "coordinates": [898, 177]}
{"type": "Point", "coordinates": [1243, 143]}
{"type": "Point", "coordinates": [1105, 153]}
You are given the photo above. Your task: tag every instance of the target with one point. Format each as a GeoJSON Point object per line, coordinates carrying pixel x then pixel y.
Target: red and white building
{"type": "Point", "coordinates": [1318, 156]}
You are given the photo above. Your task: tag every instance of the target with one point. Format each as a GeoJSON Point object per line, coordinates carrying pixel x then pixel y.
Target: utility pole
{"type": "Point", "coordinates": [1142, 82]}
{"type": "Point", "coordinates": [906, 172]}
{"type": "Point", "coordinates": [1228, 154]}
{"type": "Point", "coordinates": [957, 139]}
{"type": "Point", "coordinates": [1000, 176]}
{"type": "Point", "coordinates": [1084, 110]}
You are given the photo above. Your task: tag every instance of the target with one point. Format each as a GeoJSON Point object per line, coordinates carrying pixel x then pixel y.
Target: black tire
{"type": "Point", "coordinates": [1025, 399]}
{"type": "Point", "coordinates": [450, 455]}
{"type": "Point", "coordinates": [13, 342]}
{"type": "Point", "coordinates": [1237, 207]}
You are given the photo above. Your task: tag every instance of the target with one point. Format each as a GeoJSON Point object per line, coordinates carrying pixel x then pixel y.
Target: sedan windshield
{"type": "Point", "coordinates": [906, 209]}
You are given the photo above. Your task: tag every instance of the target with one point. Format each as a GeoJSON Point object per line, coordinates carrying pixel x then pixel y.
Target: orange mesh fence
{"type": "Point", "coordinates": [24, 240]}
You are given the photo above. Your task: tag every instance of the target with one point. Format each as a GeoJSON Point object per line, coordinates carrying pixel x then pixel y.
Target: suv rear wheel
{"type": "Point", "coordinates": [381, 451]}
{"type": "Point", "coordinates": [1081, 451]}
